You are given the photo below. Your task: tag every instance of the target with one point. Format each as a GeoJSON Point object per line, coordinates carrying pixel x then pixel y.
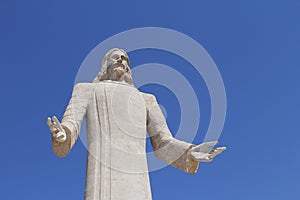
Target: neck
{"type": "Point", "coordinates": [126, 78]}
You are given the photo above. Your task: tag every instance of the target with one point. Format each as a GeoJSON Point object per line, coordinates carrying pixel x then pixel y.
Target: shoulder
{"type": "Point", "coordinates": [83, 89]}
{"type": "Point", "coordinates": [83, 86]}
{"type": "Point", "coordinates": [149, 98]}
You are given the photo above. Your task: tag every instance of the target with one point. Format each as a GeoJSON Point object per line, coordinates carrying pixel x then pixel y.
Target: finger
{"type": "Point", "coordinates": [53, 129]}
{"type": "Point", "coordinates": [55, 120]}
{"type": "Point", "coordinates": [221, 149]}
{"type": "Point", "coordinates": [49, 122]}
{"type": "Point", "coordinates": [59, 134]}
{"type": "Point", "coordinates": [217, 151]}
{"type": "Point", "coordinates": [61, 137]}
{"type": "Point", "coordinates": [212, 155]}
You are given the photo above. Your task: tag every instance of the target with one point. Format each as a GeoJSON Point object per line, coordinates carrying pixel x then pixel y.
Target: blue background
{"type": "Point", "coordinates": [255, 45]}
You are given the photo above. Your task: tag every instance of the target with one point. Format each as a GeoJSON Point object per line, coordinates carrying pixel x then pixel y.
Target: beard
{"type": "Point", "coordinates": [116, 69]}
{"type": "Point", "coordinates": [119, 72]}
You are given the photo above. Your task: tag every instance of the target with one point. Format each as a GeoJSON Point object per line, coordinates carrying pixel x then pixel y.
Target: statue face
{"type": "Point", "coordinates": [115, 67]}
{"type": "Point", "coordinates": [117, 64]}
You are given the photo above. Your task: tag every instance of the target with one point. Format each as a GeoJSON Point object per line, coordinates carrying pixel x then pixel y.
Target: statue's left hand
{"type": "Point", "coordinates": [204, 152]}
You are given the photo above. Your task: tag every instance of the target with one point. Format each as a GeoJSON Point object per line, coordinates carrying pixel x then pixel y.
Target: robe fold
{"type": "Point", "coordinates": [118, 117]}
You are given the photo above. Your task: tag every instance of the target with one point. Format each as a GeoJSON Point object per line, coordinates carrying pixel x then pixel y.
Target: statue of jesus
{"type": "Point", "coordinates": [118, 118]}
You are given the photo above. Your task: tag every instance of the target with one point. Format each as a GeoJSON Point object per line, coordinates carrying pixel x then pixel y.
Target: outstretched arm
{"type": "Point", "coordinates": [165, 146]}
{"type": "Point", "coordinates": [179, 154]}
{"type": "Point", "coordinates": [65, 134]}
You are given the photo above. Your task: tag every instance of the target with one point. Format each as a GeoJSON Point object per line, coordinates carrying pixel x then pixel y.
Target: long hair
{"type": "Point", "coordinates": [103, 74]}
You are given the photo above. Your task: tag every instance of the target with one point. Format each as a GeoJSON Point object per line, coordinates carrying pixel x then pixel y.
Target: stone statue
{"type": "Point", "coordinates": [118, 118]}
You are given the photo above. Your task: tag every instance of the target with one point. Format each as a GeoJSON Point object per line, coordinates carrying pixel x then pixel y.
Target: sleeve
{"type": "Point", "coordinates": [72, 119]}
{"type": "Point", "coordinates": [165, 146]}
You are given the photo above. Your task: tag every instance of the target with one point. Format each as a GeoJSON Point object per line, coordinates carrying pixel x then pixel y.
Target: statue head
{"type": "Point", "coordinates": [115, 66]}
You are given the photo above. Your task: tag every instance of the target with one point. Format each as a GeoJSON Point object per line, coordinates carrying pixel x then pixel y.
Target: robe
{"type": "Point", "coordinates": [118, 118]}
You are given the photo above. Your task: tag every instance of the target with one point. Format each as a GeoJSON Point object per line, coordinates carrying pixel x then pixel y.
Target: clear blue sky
{"type": "Point", "coordinates": [255, 45]}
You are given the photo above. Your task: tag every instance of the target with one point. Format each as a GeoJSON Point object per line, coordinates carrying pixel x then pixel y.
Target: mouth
{"type": "Point", "coordinates": [118, 67]}
{"type": "Point", "coordinates": [118, 70]}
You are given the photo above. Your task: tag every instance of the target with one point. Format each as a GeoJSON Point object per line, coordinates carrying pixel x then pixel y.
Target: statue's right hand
{"type": "Point", "coordinates": [56, 129]}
